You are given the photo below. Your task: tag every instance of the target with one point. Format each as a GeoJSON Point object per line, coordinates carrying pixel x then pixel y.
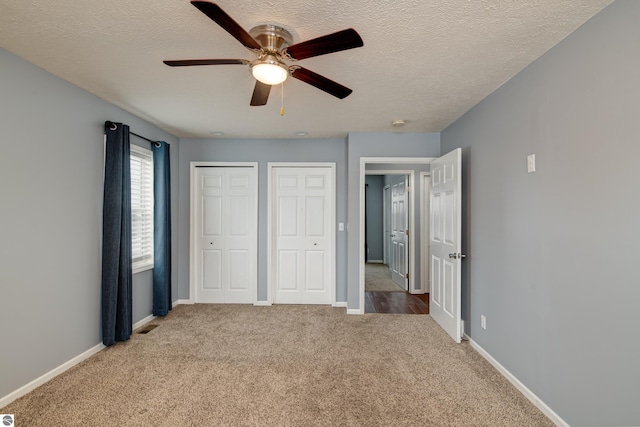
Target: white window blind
{"type": "Point", "coordinates": [141, 208]}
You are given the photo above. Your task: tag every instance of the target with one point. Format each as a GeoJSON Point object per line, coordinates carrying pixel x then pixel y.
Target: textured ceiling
{"type": "Point", "coordinates": [424, 61]}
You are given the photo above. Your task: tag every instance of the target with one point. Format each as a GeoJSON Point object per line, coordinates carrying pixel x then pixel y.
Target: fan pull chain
{"type": "Point", "coordinates": [282, 99]}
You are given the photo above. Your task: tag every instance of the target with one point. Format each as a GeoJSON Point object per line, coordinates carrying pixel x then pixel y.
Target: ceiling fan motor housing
{"type": "Point", "coordinates": [271, 37]}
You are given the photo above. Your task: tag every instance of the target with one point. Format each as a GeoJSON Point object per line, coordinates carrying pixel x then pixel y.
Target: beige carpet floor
{"type": "Point", "coordinates": [377, 278]}
{"type": "Point", "coordinates": [230, 365]}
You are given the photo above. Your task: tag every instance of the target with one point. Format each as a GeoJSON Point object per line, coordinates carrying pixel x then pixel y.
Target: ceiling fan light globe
{"type": "Point", "coordinates": [269, 74]}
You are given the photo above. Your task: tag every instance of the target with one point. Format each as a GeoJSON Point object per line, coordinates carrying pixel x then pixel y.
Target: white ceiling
{"type": "Point", "coordinates": [424, 61]}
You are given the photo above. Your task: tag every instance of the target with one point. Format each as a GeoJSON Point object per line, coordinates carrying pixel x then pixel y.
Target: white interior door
{"type": "Point", "coordinates": [445, 242]}
{"type": "Point", "coordinates": [303, 203]}
{"type": "Point", "coordinates": [226, 229]}
{"type": "Point", "coordinates": [399, 238]}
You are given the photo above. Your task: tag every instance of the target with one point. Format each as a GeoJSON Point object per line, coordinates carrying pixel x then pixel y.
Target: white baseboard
{"type": "Point", "coordinates": [375, 261]}
{"type": "Point", "coordinates": [521, 387]}
{"type": "Point", "coordinates": [262, 303]}
{"type": "Point", "coordinates": [340, 304]}
{"type": "Point", "coordinates": [49, 375]}
{"type": "Point", "coordinates": [354, 311]}
{"type": "Point", "coordinates": [4, 401]}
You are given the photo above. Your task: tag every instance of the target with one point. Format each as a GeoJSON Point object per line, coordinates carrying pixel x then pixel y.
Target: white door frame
{"type": "Point", "coordinates": [271, 224]}
{"type": "Point", "coordinates": [412, 200]}
{"type": "Point", "coordinates": [192, 221]}
{"type": "Point", "coordinates": [425, 181]}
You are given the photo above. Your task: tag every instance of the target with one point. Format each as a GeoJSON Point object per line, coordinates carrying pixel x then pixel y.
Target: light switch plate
{"type": "Point", "coordinates": [531, 163]}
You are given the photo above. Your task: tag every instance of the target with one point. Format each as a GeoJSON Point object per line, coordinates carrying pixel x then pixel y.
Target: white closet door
{"type": "Point", "coordinates": [303, 203]}
{"type": "Point", "coordinates": [226, 227]}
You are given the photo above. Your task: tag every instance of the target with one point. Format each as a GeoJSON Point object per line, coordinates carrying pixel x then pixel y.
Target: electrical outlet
{"type": "Point", "coordinates": [483, 321]}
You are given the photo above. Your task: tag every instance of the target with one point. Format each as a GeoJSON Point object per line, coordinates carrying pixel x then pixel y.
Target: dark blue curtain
{"type": "Point", "coordinates": [116, 236]}
{"type": "Point", "coordinates": [161, 229]}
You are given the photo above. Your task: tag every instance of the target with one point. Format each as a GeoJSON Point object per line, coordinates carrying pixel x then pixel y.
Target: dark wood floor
{"type": "Point", "coordinates": [396, 303]}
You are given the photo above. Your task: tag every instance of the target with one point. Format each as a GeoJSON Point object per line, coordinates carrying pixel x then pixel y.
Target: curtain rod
{"type": "Point", "coordinates": [113, 126]}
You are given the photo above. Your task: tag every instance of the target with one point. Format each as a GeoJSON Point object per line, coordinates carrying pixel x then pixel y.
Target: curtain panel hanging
{"type": "Point", "coordinates": [116, 237]}
{"type": "Point", "coordinates": [161, 229]}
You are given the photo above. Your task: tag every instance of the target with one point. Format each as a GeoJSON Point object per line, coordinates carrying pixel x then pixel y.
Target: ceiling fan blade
{"type": "Point", "coordinates": [221, 18]}
{"type": "Point", "coordinates": [190, 62]}
{"type": "Point", "coordinates": [260, 94]}
{"type": "Point", "coordinates": [342, 40]}
{"type": "Point", "coordinates": [321, 82]}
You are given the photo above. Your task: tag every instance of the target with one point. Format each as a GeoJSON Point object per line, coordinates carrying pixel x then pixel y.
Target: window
{"type": "Point", "coordinates": [141, 209]}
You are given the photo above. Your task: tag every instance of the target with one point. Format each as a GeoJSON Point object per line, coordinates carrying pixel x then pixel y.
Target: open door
{"type": "Point", "coordinates": [399, 233]}
{"type": "Point", "coordinates": [445, 242]}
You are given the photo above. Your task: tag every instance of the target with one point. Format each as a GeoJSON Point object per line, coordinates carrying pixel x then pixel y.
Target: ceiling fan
{"type": "Point", "coordinates": [272, 46]}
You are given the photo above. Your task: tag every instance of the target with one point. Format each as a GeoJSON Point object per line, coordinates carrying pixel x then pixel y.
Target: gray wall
{"type": "Point", "coordinates": [363, 144]}
{"type": "Point", "coordinates": [262, 151]}
{"type": "Point", "coordinates": [51, 162]}
{"type": "Point", "coordinates": [374, 209]}
{"type": "Point", "coordinates": [552, 256]}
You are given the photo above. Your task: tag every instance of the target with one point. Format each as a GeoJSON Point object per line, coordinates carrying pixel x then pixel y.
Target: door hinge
{"type": "Point", "coordinates": [406, 232]}
{"type": "Point", "coordinates": [406, 276]}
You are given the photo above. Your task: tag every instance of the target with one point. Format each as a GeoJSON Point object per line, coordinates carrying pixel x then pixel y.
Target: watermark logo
{"type": "Point", "coordinates": [7, 419]}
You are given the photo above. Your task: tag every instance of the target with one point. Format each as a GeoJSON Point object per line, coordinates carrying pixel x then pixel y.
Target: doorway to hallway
{"type": "Point", "coordinates": [383, 295]}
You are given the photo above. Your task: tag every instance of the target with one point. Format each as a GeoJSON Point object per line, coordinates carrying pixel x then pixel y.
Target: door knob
{"type": "Point", "coordinates": [456, 256]}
